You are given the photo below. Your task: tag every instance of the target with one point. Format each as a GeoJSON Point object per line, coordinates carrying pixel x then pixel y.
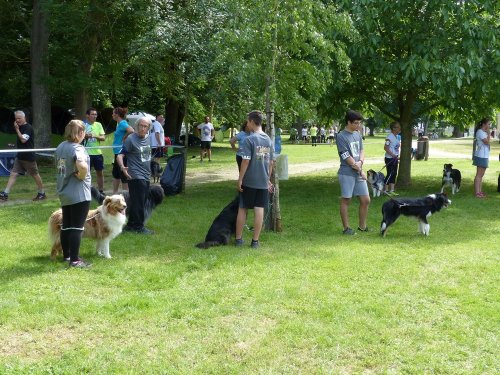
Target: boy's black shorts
{"type": "Point", "coordinates": [117, 172]}
{"type": "Point", "coordinates": [251, 198]}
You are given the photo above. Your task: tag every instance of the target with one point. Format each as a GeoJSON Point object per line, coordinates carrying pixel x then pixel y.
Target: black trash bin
{"type": "Point", "coordinates": [422, 148]}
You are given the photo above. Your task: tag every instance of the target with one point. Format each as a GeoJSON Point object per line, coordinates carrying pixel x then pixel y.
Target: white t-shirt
{"type": "Point", "coordinates": [394, 145]}
{"type": "Point", "coordinates": [206, 131]}
{"type": "Point", "coordinates": [482, 150]}
{"type": "Point", "coordinates": [157, 128]}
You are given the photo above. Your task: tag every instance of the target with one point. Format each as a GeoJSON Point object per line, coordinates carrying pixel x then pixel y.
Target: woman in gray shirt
{"type": "Point", "coordinates": [73, 188]}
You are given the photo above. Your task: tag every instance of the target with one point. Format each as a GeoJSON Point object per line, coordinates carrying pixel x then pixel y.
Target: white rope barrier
{"type": "Point", "coordinates": [39, 150]}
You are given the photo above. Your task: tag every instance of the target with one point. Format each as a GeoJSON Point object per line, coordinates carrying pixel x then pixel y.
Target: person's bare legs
{"type": "Point", "coordinates": [344, 212]}
{"type": "Point", "coordinates": [258, 220]}
{"type": "Point", "coordinates": [209, 153]}
{"type": "Point", "coordinates": [240, 222]}
{"type": "Point", "coordinates": [11, 181]}
{"type": "Point", "coordinates": [478, 180]}
{"type": "Point", "coordinates": [100, 180]}
{"type": "Point", "coordinates": [116, 185]}
{"type": "Point", "coordinates": [364, 202]}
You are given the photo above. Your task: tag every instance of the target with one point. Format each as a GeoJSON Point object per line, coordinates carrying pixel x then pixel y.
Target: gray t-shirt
{"type": "Point", "coordinates": [257, 148]}
{"type": "Point", "coordinates": [71, 189]}
{"type": "Point", "coordinates": [138, 151]}
{"type": "Point", "coordinates": [348, 144]}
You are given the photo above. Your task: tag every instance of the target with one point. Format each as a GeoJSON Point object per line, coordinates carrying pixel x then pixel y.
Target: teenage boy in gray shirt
{"type": "Point", "coordinates": [352, 179]}
{"type": "Point", "coordinates": [254, 180]}
{"type": "Point", "coordinates": [137, 147]}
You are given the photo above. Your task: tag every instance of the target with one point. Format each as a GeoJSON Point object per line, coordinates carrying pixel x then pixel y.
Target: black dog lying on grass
{"type": "Point", "coordinates": [155, 198]}
{"type": "Point", "coordinates": [223, 226]}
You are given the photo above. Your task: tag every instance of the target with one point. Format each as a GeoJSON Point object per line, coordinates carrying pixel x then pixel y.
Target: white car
{"type": "Point", "coordinates": [134, 116]}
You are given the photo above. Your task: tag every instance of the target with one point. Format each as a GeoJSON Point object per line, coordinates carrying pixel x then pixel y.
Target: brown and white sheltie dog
{"type": "Point", "coordinates": [102, 224]}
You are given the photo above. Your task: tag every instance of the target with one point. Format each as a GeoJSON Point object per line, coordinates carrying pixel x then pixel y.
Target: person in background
{"type": "Point", "coordinates": [73, 189]}
{"type": "Point", "coordinates": [254, 182]}
{"type": "Point", "coordinates": [392, 147]}
{"type": "Point", "coordinates": [123, 130]}
{"type": "Point", "coordinates": [137, 149]}
{"type": "Point", "coordinates": [322, 134]}
{"type": "Point", "coordinates": [158, 138]}
{"type": "Point", "coordinates": [94, 135]}
{"type": "Point", "coordinates": [481, 154]}
{"type": "Point", "coordinates": [207, 132]}
{"type": "Point", "coordinates": [25, 161]}
{"type": "Point", "coordinates": [304, 133]}
{"type": "Point", "coordinates": [352, 179]}
{"type": "Point", "coordinates": [240, 138]}
{"type": "Point", "coordinates": [314, 134]}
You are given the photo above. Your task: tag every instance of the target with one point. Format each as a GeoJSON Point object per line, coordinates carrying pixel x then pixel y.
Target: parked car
{"type": "Point", "coordinates": [192, 140]}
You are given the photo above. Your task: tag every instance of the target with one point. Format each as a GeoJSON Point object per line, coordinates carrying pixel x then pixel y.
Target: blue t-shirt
{"type": "Point", "coordinates": [240, 137]}
{"type": "Point", "coordinates": [121, 130]}
{"type": "Point", "coordinates": [258, 149]}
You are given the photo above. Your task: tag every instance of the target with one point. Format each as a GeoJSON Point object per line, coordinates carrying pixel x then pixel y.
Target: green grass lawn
{"type": "Point", "coordinates": [308, 301]}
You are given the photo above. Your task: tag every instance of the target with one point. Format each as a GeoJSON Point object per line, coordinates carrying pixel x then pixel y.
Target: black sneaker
{"type": "Point", "coordinates": [254, 244]}
{"type": "Point", "coordinates": [40, 197]}
{"type": "Point", "coordinates": [144, 231]}
{"type": "Point", "coordinates": [238, 242]}
{"type": "Point", "coordinates": [80, 263]}
{"type": "Point", "coordinates": [349, 232]}
{"type": "Point", "coordinates": [4, 196]}
{"type": "Point", "coordinates": [364, 230]}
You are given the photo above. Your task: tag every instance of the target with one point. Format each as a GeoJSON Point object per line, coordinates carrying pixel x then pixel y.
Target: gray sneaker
{"type": "Point", "coordinates": [349, 232]}
{"type": "Point", "coordinates": [254, 244]}
{"type": "Point", "coordinates": [238, 242]}
{"type": "Point", "coordinates": [4, 196]}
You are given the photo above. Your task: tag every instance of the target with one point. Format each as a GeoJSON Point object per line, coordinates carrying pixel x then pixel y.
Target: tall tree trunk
{"type": "Point", "coordinates": [174, 115]}
{"type": "Point", "coordinates": [405, 120]}
{"type": "Point", "coordinates": [274, 216]}
{"type": "Point", "coordinates": [39, 73]}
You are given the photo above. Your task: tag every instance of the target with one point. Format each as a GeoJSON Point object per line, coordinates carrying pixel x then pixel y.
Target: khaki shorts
{"type": "Point", "coordinates": [25, 166]}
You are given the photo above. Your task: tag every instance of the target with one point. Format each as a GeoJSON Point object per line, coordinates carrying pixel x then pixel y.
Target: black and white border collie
{"type": "Point", "coordinates": [376, 181]}
{"type": "Point", "coordinates": [451, 177]}
{"type": "Point", "coordinates": [420, 208]}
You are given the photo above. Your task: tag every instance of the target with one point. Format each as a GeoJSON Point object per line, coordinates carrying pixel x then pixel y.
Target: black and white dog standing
{"type": "Point", "coordinates": [223, 226]}
{"type": "Point", "coordinates": [451, 177]}
{"type": "Point", "coordinates": [420, 208]}
{"type": "Point", "coordinates": [376, 181]}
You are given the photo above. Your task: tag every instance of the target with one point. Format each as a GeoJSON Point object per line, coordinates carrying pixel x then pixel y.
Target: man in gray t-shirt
{"type": "Point", "coordinates": [253, 182]}
{"type": "Point", "coordinates": [137, 147]}
{"type": "Point", "coordinates": [352, 179]}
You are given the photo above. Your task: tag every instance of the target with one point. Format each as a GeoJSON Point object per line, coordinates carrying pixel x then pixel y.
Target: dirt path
{"type": "Point", "coordinates": [200, 177]}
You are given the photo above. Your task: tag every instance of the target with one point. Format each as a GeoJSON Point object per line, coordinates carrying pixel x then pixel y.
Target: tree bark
{"type": "Point", "coordinates": [174, 115]}
{"type": "Point", "coordinates": [40, 95]}
{"type": "Point", "coordinates": [405, 112]}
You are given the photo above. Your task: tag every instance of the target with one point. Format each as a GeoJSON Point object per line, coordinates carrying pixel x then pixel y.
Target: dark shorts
{"type": "Point", "coordinates": [480, 162]}
{"type": "Point", "coordinates": [157, 152]}
{"type": "Point", "coordinates": [250, 198]}
{"type": "Point", "coordinates": [206, 145]}
{"type": "Point", "coordinates": [117, 172]}
{"type": "Point", "coordinates": [25, 166]}
{"type": "Point", "coordinates": [97, 162]}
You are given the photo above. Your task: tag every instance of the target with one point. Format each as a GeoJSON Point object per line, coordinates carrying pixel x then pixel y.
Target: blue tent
{"type": "Point", "coordinates": [6, 163]}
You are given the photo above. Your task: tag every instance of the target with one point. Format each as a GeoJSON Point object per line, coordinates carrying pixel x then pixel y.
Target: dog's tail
{"type": "Point", "coordinates": [97, 195]}
{"type": "Point", "coordinates": [207, 244]}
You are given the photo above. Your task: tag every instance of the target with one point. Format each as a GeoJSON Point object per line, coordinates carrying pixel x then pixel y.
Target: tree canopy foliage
{"type": "Point", "coordinates": [190, 58]}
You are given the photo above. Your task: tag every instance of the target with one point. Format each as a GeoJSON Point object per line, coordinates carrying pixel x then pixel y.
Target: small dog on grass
{"type": "Point", "coordinates": [451, 177]}
{"type": "Point", "coordinates": [420, 208]}
{"type": "Point", "coordinates": [154, 198]}
{"type": "Point", "coordinates": [376, 181]}
{"type": "Point", "coordinates": [156, 171]}
{"type": "Point", "coordinates": [102, 224]}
